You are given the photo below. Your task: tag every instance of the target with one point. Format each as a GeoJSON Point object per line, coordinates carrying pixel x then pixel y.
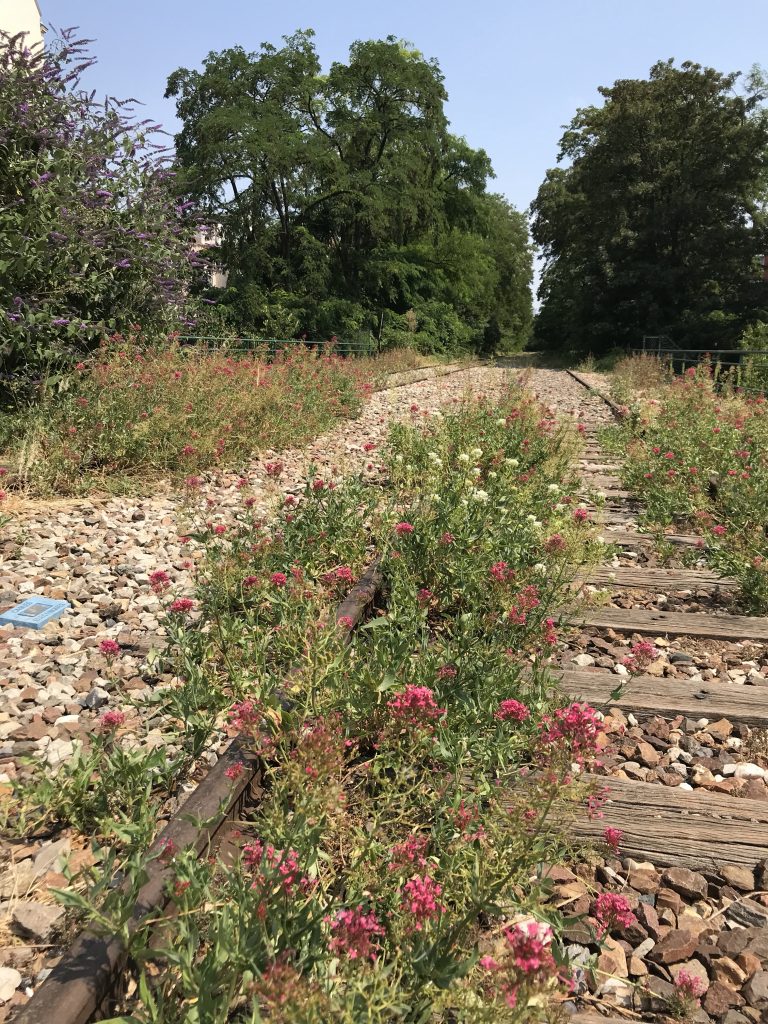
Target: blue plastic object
{"type": "Point", "coordinates": [34, 612]}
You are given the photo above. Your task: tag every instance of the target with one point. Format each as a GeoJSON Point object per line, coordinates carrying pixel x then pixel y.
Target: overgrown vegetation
{"type": "Point", "coordinates": [133, 412]}
{"type": "Point", "coordinates": [92, 239]}
{"type": "Point", "coordinates": [404, 882]}
{"type": "Point", "coordinates": [696, 451]}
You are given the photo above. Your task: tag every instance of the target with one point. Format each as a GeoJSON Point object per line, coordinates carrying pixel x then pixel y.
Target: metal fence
{"type": "Point", "coordinates": [361, 345]}
{"type": "Point", "coordinates": [744, 370]}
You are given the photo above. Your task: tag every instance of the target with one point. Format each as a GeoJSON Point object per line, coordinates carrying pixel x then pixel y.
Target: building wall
{"type": "Point", "coordinates": [22, 16]}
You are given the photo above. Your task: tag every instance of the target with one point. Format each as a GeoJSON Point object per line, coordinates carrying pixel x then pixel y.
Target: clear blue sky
{"type": "Point", "coordinates": [515, 71]}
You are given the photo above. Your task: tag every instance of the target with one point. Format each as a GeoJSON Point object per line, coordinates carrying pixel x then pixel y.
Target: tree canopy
{"type": "Point", "coordinates": [656, 222]}
{"type": "Point", "coordinates": [345, 202]}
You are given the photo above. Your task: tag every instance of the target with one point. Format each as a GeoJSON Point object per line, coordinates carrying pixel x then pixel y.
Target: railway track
{"type": "Point", "coordinates": [700, 830]}
{"type": "Point", "coordinates": [708, 833]}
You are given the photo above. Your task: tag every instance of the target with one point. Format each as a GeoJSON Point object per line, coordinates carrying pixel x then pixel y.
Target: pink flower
{"type": "Point", "coordinates": [412, 851]}
{"type": "Point", "coordinates": [415, 707]}
{"type": "Point", "coordinates": [159, 580]}
{"type": "Point", "coordinates": [109, 648]}
{"type": "Point", "coordinates": [274, 469]}
{"type": "Point", "coordinates": [613, 911]}
{"type": "Point", "coordinates": [182, 605]}
{"type": "Point", "coordinates": [188, 449]}
{"type": "Point", "coordinates": [613, 837]}
{"type": "Point", "coordinates": [554, 543]}
{"type": "Point", "coordinates": [193, 482]}
{"type": "Point", "coordinates": [421, 899]}
{"type": "Point", "coordinates": [446, 672]}
{"type": "Point", "coordinates": [424, 596]}
{"type": "Point", "coordinates": [354, 934]}
{"type": "Point", "coordinates": [112, 720]}
{"type": "Point", "coordinates": [219, 529]}
{"type": "Point", "coordinates": [250, 581]}
{"type": "Point", "coordinates": [641, 654]}
{"type": "Point", "coordinates": [689, 987]}
{"type": "Point", "coordinates": [368, 446]}
{"type": "Point", "coordinates": [580, 515]}
{"type": "Point", "coordinates": [345, 574]}
{"type": "Point", "coordinates": [529, 942]}
{"type": "Point", "coordinates": [345, 622]}
{"type": "Point", "coordinates": [500, 571]}
{"type": "Point", "coordinates": [3, 495]}
{"type": "Point", "coordinates": [512, 711]}
{"type": "Point", "coordinates": [403, 529]}
{"type": "Point", "coordinates": [577, 726]}
{"type": "Point", "coordinates": [245, 715]}
{"type": "Point", "coordinates": [278, 579]}
{"type": "Point", "coordinates": [719, 531]}
{"type": "Point", "coordinates": [235, 771]}
{"type": "Point", "coordinates": [447, 538]}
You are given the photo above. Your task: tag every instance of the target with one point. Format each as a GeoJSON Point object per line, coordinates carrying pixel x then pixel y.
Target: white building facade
{"type": "Point", "coordinates": [22, 16]}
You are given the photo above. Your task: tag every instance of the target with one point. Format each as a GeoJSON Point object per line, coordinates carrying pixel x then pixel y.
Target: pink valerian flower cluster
{"type": "Point", "coordinates": [424, 597]}
{"type": "Point", "coordinates": [549, 633]}
{"type": "Point", "coordinates": [613, 911]}
{"type": "Point", "coordinates": [271, 865]}
{"type": "Point", "coordinates": [341, 575]}
{"type": "Point", "coordinates": [530, 943]}
{"type": "Point", "coordinates": [181, 605]}
{"type": "Point", "coordinates": [109, 648]}
{"type": "Point", "coordinates": [247, 717]}
{"type": "Point", "coordinates": [415, 708]}
{"type": "Point", "coordinates": [526, 601]}
{"type": "Point", "coordinates": [501, 572]}
{"type": "Point", "coordinates": [274, 469]}
{"type": "Point", "coordinates": [354, 934]}
{"type": "Point", "coordinates": [111, 720]}
{"type": "Point", "coordinates": [719, 530]}
{"type": "Point", "coordinates": [278, 579]}
{"type": "Point", "coordinates": [554, 543]}
{"type": "Point", "coordinates": [421, 899]}
{"type": "Point", "coordinates": [596, 802]}
{"type": "Point", "coordinates": [640, 656]}
{"type": "Point", "coordinates": [467, 821]}
{"type": "Point", "coordinates": [613, 837]}
{"type": "Point", "coordinates": [529, 961]}
{"type": "Point", "coordinates": [320, 749]}
{"type": "Point", "coordinates": [446, 672]}
{"type": "Point", "coordinates": [235, 771]}
{"type": "Point", "coordinates": [403, 529]}
{"type": "Point", "coordinates": [580, 515]}
{"type": "Point", "coordinates": [577, 727]}
{"type": "Point", "coordinates": [406, 855]}
{"type": "Point", "coordinates": [512, 711]}
{"type": "Point", "coordinates": [159, 580]}
{"type": "Point", "coordinates": [689, 989]}
{"type": "Point", "coordinates": [345, 622]}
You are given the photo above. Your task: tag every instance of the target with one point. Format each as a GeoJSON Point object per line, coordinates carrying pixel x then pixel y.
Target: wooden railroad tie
{"type": "Point", "coordinates": [680, 828]}
{"type": "Point", "coordinates": [646, 696]}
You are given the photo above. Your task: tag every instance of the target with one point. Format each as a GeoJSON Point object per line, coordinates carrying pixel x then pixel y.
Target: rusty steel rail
{"type": "Point", "coordinates": [81, 987]}
{"type": "Point", "coordinates": [616, 409]}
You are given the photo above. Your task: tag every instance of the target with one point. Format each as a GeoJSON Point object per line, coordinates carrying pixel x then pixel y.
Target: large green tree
{"type": "Point", "coordinates": [656, 222]}
{"type": "Point", "coordinates": [345, 201]}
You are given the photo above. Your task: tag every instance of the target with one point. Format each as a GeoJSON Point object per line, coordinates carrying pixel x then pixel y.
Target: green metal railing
{"type": "Point", "coordinates": [742, 369]}
{"type": "Point", "coordinates": [270, 347]}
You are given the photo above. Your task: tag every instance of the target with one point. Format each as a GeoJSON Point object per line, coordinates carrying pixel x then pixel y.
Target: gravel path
{"type": "Point", "coordinates": [98, 554]}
